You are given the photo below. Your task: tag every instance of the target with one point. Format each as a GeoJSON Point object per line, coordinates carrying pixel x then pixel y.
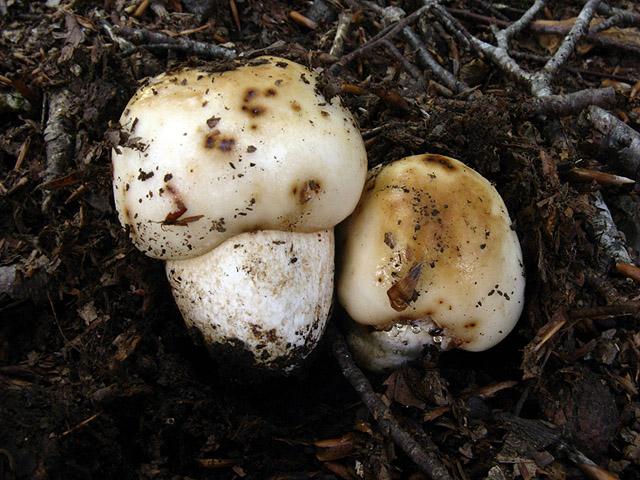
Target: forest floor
{"type": "Point", "coordinates": [98, 375]}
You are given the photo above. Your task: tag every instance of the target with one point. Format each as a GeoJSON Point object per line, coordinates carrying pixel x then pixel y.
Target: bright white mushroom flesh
{"type": "Point", "coordinates": [268, 292]}
{"type": "Point", "coordinates": [213, 156]}
{"type": "Point", "coordinates": [429, 256]}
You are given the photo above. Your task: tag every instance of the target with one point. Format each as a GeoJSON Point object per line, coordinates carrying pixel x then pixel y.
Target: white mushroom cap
{"type": "Point", "coordinates": [431, 241]}
{"type": "Point", "coordinates": [255, 148]}
{"type": "Point", "coordinates": [269, 292]}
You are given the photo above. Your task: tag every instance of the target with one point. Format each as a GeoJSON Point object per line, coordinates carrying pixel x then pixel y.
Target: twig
{"type": "Point", "coordinates": [629, 308]}
{"type": "Point", "coordinates": [385, 34]}
{"type": "Point", "coordinates": [620, 138]}
{"type": "Point", "coordinates": [160, 40]}
{"type": "Point", "coordinates": [559, 28]}
{"type": "Point", "coordinates": [580, 71]}
{"type": "Point", "coordinates": [80, 425]}
{"type": "Point", "coordinates": [342, 30]}
{"type": "Point", "coordinates": [605, 9]}
{"type": "Point", "coordinates": [570, 103]}
{"type": "Point", "coordinates": [621, 19]}
{"type": "Point", "coordinates": [490, 8]}
{"type": "Point", "coordinates": [395, 14]}
{"type": "Point", "coordinates": [628, 270]}
{"type": "Point", "coordinates": [428, 461]}
{"type": "Point", "coordinates": [504, 36]}
{"type": "Point", "coordinates": [408, 66]}
{"type": "Point", "coordinates": [446, 77]}
{"type": "Point", "coordinates": [541, 81]}
{"type": "Point", "coordinates": [602, 178]}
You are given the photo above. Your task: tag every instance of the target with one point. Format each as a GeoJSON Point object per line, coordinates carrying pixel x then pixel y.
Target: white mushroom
{"type": "Point", "coordinates": [237, 179]}
{"type": "Point", "coordinates": [429, 256]}
{"type": "Point", "coordinates": [255, 148]}
{"type": "Point", "coordinates": [268, 291]}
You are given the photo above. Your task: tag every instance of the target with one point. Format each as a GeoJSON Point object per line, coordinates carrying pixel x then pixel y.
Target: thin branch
{"type": "Point", "coordinates": [541, 81]}
{"type": "Point", "coordinates": [408, 66]}
{"type": "Point", "coordinates": [570, 103]}
{"type": "Point", "coordinates": [428, 460]}
{"type": "Point", "coordinates": [342, 30]}
{"type": "Point", "coordinates": [385, 34]}
{"type": "Point", "coordinates": [558, 28]}
{"type": "Point", "coordinates": [504, 36]}
{"type": "Point", "coordinates": [629, 308]}
{"type": "Point", "coordinates": [425, 57]}
{"type": "Point", "coordinates": [160, 40]}
{"type": "Point", "coordinates": [498, 55]}
{"type": "Point", "coordinates": [621, 19]}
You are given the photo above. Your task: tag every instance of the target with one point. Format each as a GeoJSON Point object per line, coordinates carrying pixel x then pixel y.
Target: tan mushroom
{"type": "Point", "coordinates": [428, 256]}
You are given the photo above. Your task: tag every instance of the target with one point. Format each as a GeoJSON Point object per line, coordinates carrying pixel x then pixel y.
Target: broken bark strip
{"type": "Point", "coordinates": [620, 138]}
{"type": "Point", "coordinates": [58, 140]}
{"type": "Point", "coordinates": [426, 458]}
{"type": "Point", "coordinates": [59, 143]}
{"type": "Point", "coordinates": [160, 40]}
{"type": "Point", "coordinates": [570, 103]}
{"type": "Point", "coordinates": [610, 241]}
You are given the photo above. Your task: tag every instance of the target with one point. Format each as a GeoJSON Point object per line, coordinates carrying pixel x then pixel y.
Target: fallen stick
{"type": "Point", "coordinates": [620, 138]}
{"type": "Point", "coordinates": [427, 459]}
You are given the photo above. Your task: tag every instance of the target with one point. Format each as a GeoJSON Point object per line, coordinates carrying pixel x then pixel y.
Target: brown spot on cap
{"type": "Point", "coordinates": [470, 325]}
{"type": "Point", "coordinates": [210, 140]}
{"type": "Point", "coordinates": [441, 159]}
{"type": "Point", "coordinates": [250, 94]}
{"type": "Point", "coordinates": [144, 175]}
{"type": "Point", "coordinates": [254, 111]}
{"type": "Point", "coordinates": [226, 144]}
{"type": "Point", "coordinates": [213, 121]}
{"type": "Point", "coordinates": [389, 240]}
{"type": "Point", "coordinates": [310, 188]}
{"type": "Point", "coordinates": [270, 92]}
{"type": "Point", "coordinates": [295, 106]}
{"type": "Point", "coordinates": [403, 291]}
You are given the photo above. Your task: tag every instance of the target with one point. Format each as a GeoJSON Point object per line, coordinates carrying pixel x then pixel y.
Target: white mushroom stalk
{"type": "Point", "coordinates": [428, 257]}
{"type": "Point", "coordinates": [237, 179]}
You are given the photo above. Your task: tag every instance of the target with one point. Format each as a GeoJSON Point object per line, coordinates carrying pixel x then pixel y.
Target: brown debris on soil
{"type": "Point", "coordinates": [99, 377]}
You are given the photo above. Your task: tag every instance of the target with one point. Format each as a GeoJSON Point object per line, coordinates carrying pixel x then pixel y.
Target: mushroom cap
{"type": "Point", "coordinates": [431, 241]}
{"type": "Point", "coordinates": [255, 148]}
{"type": "Point", "coordinates": [268, 293]}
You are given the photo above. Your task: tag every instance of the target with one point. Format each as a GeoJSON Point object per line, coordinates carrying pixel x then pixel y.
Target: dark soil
{"type": "Point", "coordinates": [99, 377]}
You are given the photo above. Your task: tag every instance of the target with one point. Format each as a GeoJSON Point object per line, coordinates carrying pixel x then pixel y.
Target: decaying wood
{"type": "Point", "coordinates": [57, 136]}
{"type": "Point", "coordinates": [620, 138]}
{"type": "Point", "coordinates": [147, 38]}
{"type": "Point", "coordinates": [570, 103]}
{"type": "Point", "coordinates": [610, 241]}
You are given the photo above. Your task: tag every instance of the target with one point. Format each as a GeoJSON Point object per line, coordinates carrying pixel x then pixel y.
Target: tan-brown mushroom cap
{"type": "Point", "coordinates": [254, 148]}
{"type": "Point", "coordinates": [431, 239]}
